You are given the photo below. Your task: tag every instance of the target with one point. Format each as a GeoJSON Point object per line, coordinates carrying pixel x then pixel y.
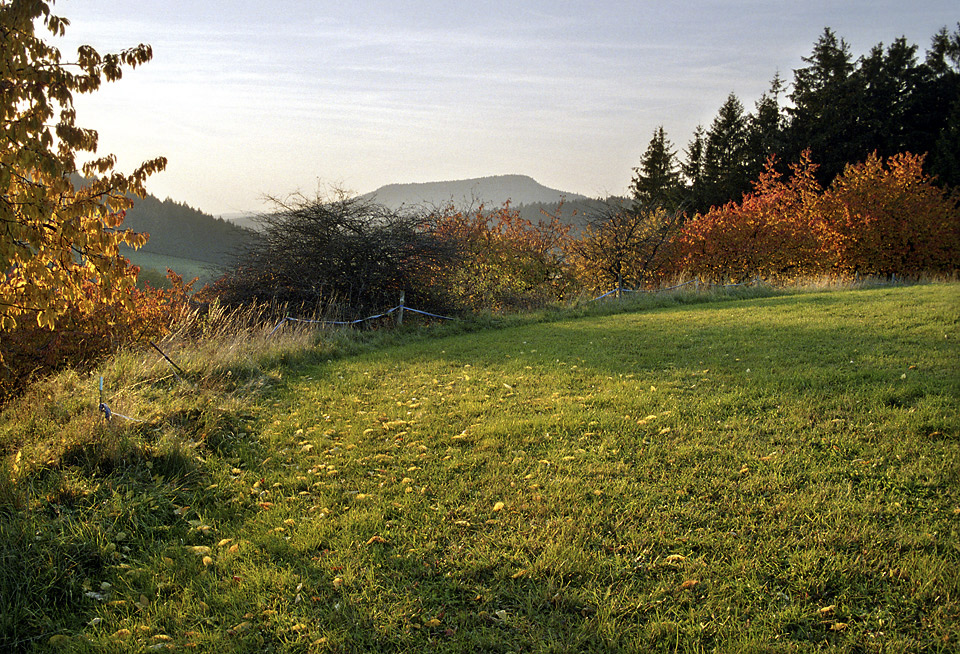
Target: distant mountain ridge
{"type": "Point", "coordinates": [464, 193]}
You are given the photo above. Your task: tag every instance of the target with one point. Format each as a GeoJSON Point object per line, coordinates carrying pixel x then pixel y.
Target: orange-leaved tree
{"type": "Point", "coordinates": [877, 217]}
{"type": "Point", "coordinates": [625, 247]}
{"type": "Point", "coordinates": [57, 240]}
{"type": "Point", "coordinates": [889, 217]}
{"type": "Point", "coordinates": [505, 261]}
{"type": "Point", "coordinates": [775, 232]}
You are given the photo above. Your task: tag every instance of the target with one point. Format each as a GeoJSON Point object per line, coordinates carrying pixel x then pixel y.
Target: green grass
{"type": "Point", "coordinates": [153, 267]}
{"type": "Point", "coordinates": [764, 474]}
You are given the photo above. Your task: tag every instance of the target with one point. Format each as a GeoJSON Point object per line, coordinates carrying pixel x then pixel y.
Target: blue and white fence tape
{"type": "Point", "coordinates": [350, 323]}
{"type": "Point", "coordinates": [107, 413]}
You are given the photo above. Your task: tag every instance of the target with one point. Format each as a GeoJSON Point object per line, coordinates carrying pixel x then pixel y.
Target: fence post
{"type": "Point", "coordinates": [619, 284]}
{"type": "Point", "coordinates": [403, 295]}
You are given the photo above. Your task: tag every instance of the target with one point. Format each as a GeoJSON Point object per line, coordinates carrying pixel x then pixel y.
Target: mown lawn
{"type": "Point", "coordinates": [771, 474]}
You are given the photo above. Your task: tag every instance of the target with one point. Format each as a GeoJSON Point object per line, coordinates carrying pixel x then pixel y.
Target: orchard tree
{"type": "Point", "coordinates": [625, 246]}
{"type": "Point", "coordinates": [57, 240]}
{"type": "Point", "coordinates": [656, 182]}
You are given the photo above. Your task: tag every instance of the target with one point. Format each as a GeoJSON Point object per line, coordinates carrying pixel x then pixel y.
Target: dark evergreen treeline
{"type": "Point", "coordinates": [177, 229]}
{"type": "Point", "coordinates": [839, 107]}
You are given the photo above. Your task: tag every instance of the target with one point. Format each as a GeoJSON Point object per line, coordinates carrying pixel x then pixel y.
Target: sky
{"type": "Point", "coordinates": [251, 99]}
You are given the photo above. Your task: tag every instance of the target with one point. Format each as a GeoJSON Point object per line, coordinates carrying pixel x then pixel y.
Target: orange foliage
{"type": "Point", "coordinates": [506, 261]}
{"type": "Point", "coordinates": [889, 218]}
{"type": "Point", "coordinates": [876, 218]}
{"type": "Point", "coordinates": [89, 330]}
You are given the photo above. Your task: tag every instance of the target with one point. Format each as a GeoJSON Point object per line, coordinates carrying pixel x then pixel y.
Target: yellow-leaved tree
{"type": "Point", "coordinates": [58, 241]}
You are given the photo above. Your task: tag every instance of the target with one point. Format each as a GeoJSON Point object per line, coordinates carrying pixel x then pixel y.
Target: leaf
{"type": "Point", "coordinates": [675, 558]}
{"type": "Point", "coordinates": [498, 506]}
{"type": "Point", "coordinates": [689, 583]}
{"type": "Point", "coordinates": [377, 539]}
{"type": "Point", "coordinates": [432, 623]}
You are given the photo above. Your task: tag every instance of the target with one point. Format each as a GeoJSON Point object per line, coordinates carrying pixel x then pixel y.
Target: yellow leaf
{"type": "Point", "coordinates": [432, 623]}
{"type": "Point", "coordinates": [225, 541]}
{"type": "Point", "coordinates": [498, 506]}
{"type": "Point", "coordinates": [207, 561]}
{"type": "Point", "coordinates": [675, 558]}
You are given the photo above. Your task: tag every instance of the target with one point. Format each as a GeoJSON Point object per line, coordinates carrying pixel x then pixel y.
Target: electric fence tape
{"type": "Point", "coordinates": [107, 413]}
{"type": "Point", "coordinates": [350, 323]}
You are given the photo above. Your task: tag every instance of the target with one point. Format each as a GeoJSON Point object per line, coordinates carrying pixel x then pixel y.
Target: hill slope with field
{"type": "Point", "coordinates": [773, 473]}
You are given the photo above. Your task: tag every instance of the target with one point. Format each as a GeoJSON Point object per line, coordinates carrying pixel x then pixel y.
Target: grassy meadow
{"type": "Point", "coordinates": [153, 268]}
{"type": "Point", "coordinates": [765, 472]}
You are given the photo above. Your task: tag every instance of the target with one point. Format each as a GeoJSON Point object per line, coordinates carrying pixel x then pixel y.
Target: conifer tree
{"type": "Point", "coordinates": [656, 182]}
{"type": "Point", "coordinates": [692, 170]}
{"type": "Point", "coordinates": [725, 172]}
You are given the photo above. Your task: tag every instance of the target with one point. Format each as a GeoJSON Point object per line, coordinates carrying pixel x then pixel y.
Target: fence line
{"type": "Point", "coordinates": [349, 323]}
{"type": "Point", "coordinates": [107, 413]}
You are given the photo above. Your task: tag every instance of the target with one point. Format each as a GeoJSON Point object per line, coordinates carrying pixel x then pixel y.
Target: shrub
{"type": "Point", "coordinates": [348, 252]}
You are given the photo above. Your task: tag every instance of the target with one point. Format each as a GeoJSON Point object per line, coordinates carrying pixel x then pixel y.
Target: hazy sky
{"type": "Point", "coordinates": [248, 98]}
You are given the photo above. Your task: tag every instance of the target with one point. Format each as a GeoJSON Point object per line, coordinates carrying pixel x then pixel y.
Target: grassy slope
{"type": "Point", "coordinates": [154, 267]}
{"type": "Point", "coordinates": [776, 474]}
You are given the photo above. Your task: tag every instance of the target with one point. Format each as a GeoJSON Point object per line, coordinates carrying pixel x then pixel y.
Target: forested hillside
{"type": "Point", "coordinates": [177, 229]}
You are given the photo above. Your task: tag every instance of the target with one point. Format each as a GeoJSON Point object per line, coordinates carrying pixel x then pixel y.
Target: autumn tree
{"type": "Point", "coordinates": [55, 239]}
{"type": "Point", "coordinates": [625, 246]}
{"type": "Point", "coordinates": [774, 231]}
{"type": "Point", "coordinates": [878, 217]}
{"type": "Point", "coordinates": [886, 217]}
{"type": "Point", "coordinates": [504, 261]}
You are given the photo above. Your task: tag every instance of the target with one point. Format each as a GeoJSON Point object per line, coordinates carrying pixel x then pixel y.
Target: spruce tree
{"type": "Point", "coordinates": [725, 172]}
{"type": "Point", "coordinates": [656, 182]}
{"type": "Point", "coordinates": [692, 170]}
